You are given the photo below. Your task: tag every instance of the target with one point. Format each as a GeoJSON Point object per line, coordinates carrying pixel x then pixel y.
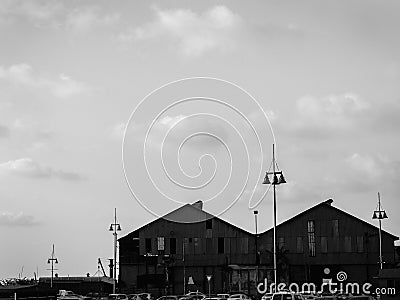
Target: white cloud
{"type": "Point", "coordinates": [23, 74]}
{"type": "Point", "coordinates": [83, 20]}
{"type": "Point", "coordinates": [37, 12]}
{"type": "Point", "coordinates": [117, 132]}
{"type": "Point", "coordinates": [373, 167]}
{"type": "Point", "coordinates": [365, 172]}
{"type": "Point", "coordinates": [4, 131]}
{"type": "Point", "coordinates": [326, 116]}
{"type": "Point", "coordinates": [27, 167]}
{"type": "Point", "coordinates": [56, 14]}
{"type": "Point", "coordinates": [17, 219]}
{"type": "Point", "coordinates": [191, 33]}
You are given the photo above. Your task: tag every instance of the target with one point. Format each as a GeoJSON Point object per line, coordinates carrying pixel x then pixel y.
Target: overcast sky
{"type": "Point", "coordinates": [325, 73]}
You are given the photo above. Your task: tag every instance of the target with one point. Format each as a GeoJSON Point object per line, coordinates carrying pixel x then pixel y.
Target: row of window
{"type": "Point", "coordinates": [196, 245]}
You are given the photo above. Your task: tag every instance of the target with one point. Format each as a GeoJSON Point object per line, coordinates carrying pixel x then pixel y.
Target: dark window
{"type": "Point", "coordinates": [148, 245]}
{"type": "Point", "coordinates": [324, 244]}
{"type": "Point", "coordinates": [221, 245]}
{"type": "Point", "coordinates": [197, 246]}
{"type": "Point", "coordinates": [335, 228]}
{"type": "Point", "coordinates": [172, 245]}
{"type": "Point", "coordinates": [209, 246]}
{"type": "Point", "coordinates": [347, 244]}
{"type": "Point", "coordinates": [360, 243]}
{"type": "Point", "coordinates": [209, 224]}
{"type": "Point", "coordinates": [311, 237]}
{"type": "Point", "coordinates": [281, 242]}
{"type": "Point", "coordinates": [190, 240]}
{"type": "Point", "coordinates": [186, 245]}
{"type": "Point", "coordinates": [299, 244]}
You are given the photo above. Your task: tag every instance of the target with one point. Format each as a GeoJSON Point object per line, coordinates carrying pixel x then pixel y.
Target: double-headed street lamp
{"type": "Point", "coordinates": [380, 214]}
{"type": "Point", "coordinates": [275, 181]}
{"type": "Point", "coordinates": [115, 227]}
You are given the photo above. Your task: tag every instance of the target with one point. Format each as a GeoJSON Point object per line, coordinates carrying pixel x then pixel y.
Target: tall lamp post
{"type": "Point", "coordinates": [115, 227]}
{"type": "Point", "coordinates": [380, 214]}
{"type": "Point", "coordinates": [51, 261]}
{"type": "Point", "coordinates": [256, 242]}
{"type": "Point", "coordinates": [275, 181]}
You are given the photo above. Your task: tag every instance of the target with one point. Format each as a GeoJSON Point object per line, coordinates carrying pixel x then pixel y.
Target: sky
{"type": "Point", "coordinates": [97, 113]}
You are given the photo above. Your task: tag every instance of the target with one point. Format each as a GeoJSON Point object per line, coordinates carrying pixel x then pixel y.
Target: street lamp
{"type": "Point", "coordinates": [275, 181]}
{"type": "Point", "coordinates": [380, 214]}
{"type": "Point", "coordinates": [256, 242]}
{"type": "Point", "coordinates": [115, 227]}
{"type": "Point", "coordinates": [51, 261]}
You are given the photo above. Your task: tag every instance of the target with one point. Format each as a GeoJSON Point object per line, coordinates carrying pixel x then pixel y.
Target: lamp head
{"type": "Point", "coordinates": [266, 180]}
{"type": "Point", "coordinates": [111, 228]}
{"type": "Point", "coordinates": [282, 179]}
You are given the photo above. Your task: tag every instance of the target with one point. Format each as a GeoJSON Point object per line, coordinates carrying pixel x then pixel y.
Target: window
{"type": "Point", "coordinates": [148, 245]}
{"type": "Point", "coordinates": [281, 242]}
{"type": "Point", "coordinates": [335, 228]}
{"type": "Point", "coordinates": [197, 245]}
{"type": "Point", "coordinates": [360, 243]}
{"type": "Point", "coordinates": [209, 224]}
{"type": "Point", "coordinates": [243, 245]}
{"type": "Point", "coordinates": [347, 244]}
{"type": "Point", "coordinates": [186, 245]}
{"type": "Point", "coordinates": [209, 246]}
{"type": "Point", "coordinates": [172, 246]}
{"type": "Point", "coordinates": [311, 237]}
{"type": "Point", "coordinates": [269, 244]}
{"type": "Point", "coordinates": [160, 243]}
{"type": "Point", "coordinates": [221, 245]}
{"type": "Point", "coordinates": [299, 244]}
{"type": "Point", "coordinates": [324, 244]}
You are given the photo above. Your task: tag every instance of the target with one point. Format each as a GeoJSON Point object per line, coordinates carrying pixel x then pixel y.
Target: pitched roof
{"type": "Point", "coordinates": [188, 213]}
{"type": "Point", "coordinates": [328, 204]}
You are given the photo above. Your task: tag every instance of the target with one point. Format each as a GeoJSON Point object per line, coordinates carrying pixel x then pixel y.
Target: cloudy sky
{"type": "Point", "coordinates": [73, 73]}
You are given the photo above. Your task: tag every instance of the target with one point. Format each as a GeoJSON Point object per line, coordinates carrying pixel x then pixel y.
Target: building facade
{"type": "Point", "coordinates": [180, 251]}
{"type": "Point", "coordinates": [166, 256]}
{"type": "Point", "coordinates": [325, 239]}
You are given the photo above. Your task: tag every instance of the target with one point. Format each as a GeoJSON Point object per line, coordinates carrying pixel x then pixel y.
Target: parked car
{"type": "Point", "coordinates": [267, 296]}
{"type": "Point", "coordinates": [118, 297]}
{"type": "Point", "coordinates": [134, 297]}
{"type": "Point", "coordinates": [309, 296]}
{"type": "Point", "coordinates": [240, 296]}
{"type": "Point", "coordinates": [223, 296]}
{"type": "Point", "coordinates": [69, 295]}
{"type": "Point", "coordinates": [146, 296]}
{"type": "Point", "coordinates": [170, 297]}
{"type": "Point", "coordinates": [287, 296]}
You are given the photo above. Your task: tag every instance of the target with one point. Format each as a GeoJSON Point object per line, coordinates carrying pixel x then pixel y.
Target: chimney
{"type": "Point", "coordinates": [329, 201]}
{"type": "Point", "coordinates": [198, 204]}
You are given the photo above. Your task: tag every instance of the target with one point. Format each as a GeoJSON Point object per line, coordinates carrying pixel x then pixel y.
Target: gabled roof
{"type": "Point", "coordinates": [188, 213]}
{"type": "Point", "coordinates": [328, 204]}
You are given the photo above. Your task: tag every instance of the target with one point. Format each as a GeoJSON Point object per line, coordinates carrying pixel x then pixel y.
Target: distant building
{"type": "Point", "coordinates": [312, 246]}
{"type": "Point", "coordinates": [81, 285]}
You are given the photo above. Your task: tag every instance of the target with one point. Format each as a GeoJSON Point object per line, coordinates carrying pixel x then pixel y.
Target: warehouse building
{"type": "Point", "coordinates": [182, 250]}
